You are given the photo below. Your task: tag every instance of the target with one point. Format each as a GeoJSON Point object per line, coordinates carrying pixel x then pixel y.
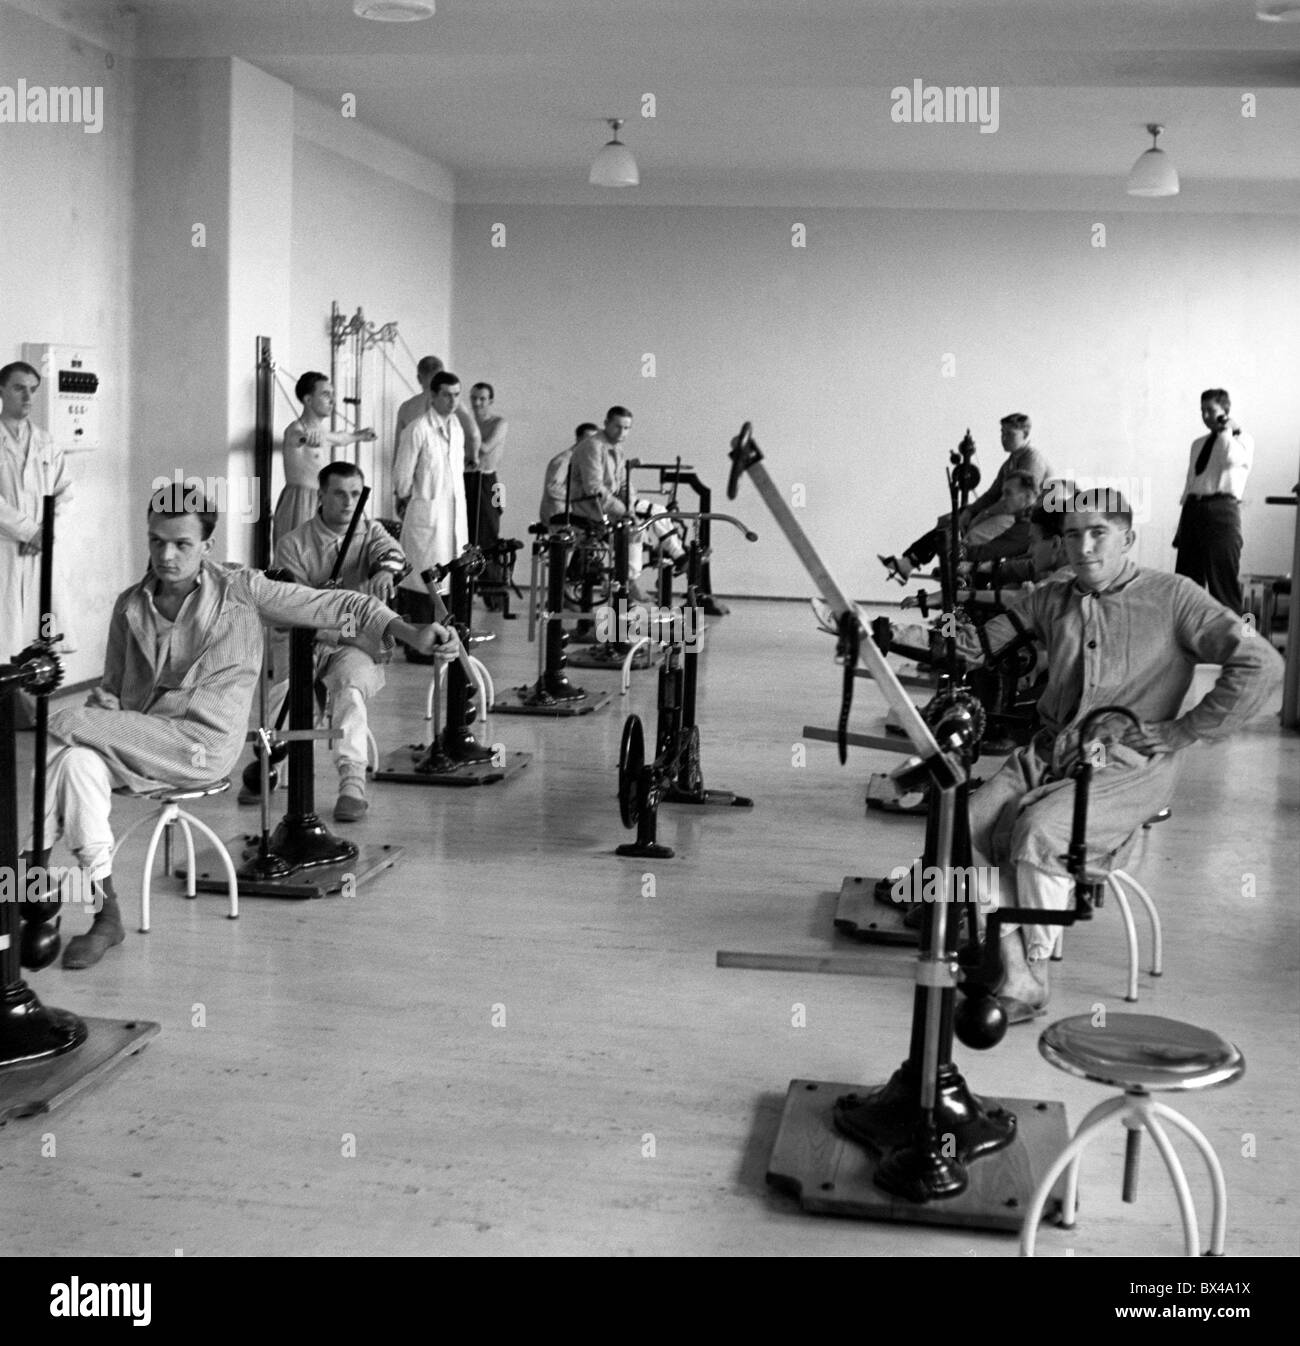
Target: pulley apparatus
{"type": "Point", "coordinates": [351, 340]}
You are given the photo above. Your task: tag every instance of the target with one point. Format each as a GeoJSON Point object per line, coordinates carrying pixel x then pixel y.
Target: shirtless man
{"type": "Point", "coordinates": [308, 447]}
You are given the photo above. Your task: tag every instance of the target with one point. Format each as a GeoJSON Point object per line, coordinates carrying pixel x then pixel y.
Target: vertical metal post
{"type": "Point", "coordinates": [263, 443]}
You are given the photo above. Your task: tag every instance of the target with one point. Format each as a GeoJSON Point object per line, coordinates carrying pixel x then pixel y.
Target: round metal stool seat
{"type": "Point", "coordinates": [171, 813]}
{"type": "Point", "coordinates": [1141, 1052]}
{"type": "Point", "coordinates": [171, 794]}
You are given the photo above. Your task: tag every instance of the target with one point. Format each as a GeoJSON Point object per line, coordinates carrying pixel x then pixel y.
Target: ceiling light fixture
{"type": "Point", "coordinates": [614, 166]}
{"type": "Point", "coordinates": [1278, 13]}
{"type": "Point", "coordinates": [394, 11]}
{"type": "Point", "coordinates": [1153, 174]}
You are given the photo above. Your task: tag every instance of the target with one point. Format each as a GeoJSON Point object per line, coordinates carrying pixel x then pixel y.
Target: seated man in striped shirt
{"type": "Point", "coordinates": [1116, 634]}
{"type": "Point", "coordinates": [184, 657]}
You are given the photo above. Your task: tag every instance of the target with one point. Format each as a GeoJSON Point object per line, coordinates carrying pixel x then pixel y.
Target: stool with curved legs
{"type": "Point", "coordinates": [169, 815]}
{"type": "Point", "coordinates": [1118, 881]}
{"type": "Point", "coordinates": [1141, 1054]}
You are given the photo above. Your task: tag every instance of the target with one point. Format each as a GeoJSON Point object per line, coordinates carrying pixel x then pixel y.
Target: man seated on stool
{"type": "Point", "coordinates": [1116, 634]}
{"type": "Point", "coordinates": [1004, 531]}
{"type": "Point", "coordinates": [599, 470]}
{"type": "Point", "coordinates": [184, 657]}
{"type": "Point", "coordinates": [1021, 457]}
{"type": "Point", "coordinates": [557, 484]}
{"type": "Point", "coordinates": [1007, 580]}
{"type": "Point", "coordinates": [372, 566]}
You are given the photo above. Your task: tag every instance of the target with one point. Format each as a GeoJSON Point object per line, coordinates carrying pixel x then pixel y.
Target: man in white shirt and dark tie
{"type": "Point", "coordinates": [1209, 530]}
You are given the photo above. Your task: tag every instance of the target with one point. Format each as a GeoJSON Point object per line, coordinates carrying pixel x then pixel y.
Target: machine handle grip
{"type": "Point", "coordinates": [744, 454]}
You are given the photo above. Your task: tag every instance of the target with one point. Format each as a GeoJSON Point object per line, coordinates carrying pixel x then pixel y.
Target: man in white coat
{"type": "Point", "coordinates": [31, 467]}
{"type": "Point", "coordinates": [429, 483]}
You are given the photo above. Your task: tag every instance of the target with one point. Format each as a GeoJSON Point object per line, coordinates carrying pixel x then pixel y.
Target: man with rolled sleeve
{"type": "Point", "coordinates": [1116, 634]}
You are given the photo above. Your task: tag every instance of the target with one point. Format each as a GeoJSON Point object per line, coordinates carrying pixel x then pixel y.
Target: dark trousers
{"type": "Point", "coordinates": [414, 605]}
{"type": "Point", "coordinates": [1209, 547]}
{"type": "Point", "coordinates": [927, 546]}
{"type": "Point", "coordinates": [484, 516]}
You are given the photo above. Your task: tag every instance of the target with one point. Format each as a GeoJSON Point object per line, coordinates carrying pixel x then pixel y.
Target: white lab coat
{"type": "Point", "coordinates": [430, 468]}
{"type": "Point", "coordinates": [25, 478]}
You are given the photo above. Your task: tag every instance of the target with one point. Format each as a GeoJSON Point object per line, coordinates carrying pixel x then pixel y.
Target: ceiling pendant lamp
{"type": "Point", "coordinates": [394, 11]}
{"type": "Point", "coordinates": [614, 166]}
{"type": "Point", "coordinates": [1153, 174]}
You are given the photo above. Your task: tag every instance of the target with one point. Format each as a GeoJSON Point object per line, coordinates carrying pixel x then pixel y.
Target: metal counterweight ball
{"type": "Point", "coordinates": [980, 1022]}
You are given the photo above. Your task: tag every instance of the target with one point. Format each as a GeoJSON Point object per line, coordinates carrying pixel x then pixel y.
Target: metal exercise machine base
{"type": "Point", "coordinates": [30, 1090]}
{"type": "Point", "coordinates": [525, 701]}
{"type": "Point", "coordinates": [610, 657]}
{"type": "Point", "coordinates": [400, 769]}
{"type": "Point", "coordinates": [859, 915]}
{"type": "Point", "coordinates": [831, 1175]}
{"type": "Point", "coordinates": [302, 885]}
{"type": "Point", "coordinates": [707, 798]}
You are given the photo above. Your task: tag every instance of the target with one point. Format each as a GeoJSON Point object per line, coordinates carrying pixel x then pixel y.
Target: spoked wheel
{"type": "Point", "coordinates": [631, 763]}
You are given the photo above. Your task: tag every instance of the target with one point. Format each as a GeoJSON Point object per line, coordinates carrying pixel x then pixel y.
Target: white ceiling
{"type": "Point", "coordinates": [786, 103]}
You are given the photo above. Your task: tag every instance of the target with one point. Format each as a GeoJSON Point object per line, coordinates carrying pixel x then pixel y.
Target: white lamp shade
{"type": "Point", "coordinates": [615, 167]}
{"type": "Point", "coordinates": [394, 11]}
{"type": "Point", "coordinates": [1153, 175]}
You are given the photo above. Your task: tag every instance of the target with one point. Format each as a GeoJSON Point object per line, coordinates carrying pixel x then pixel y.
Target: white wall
{"type": "Point", "coordinates": [835, 352]}
{"type": "Point", "coordinates": [65, 218]}
{"type": "Point", "coordinates": [259, 213]}
{"type": "Point", "coordinates": [371, 229]}
{"type": "Point", "coordinates": [292, 200]}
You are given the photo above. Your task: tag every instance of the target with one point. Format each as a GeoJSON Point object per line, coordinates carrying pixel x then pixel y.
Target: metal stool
{"type": "Point", "coordinates": [171, 814]}
{"type": "Point", "coordinates": [1141, 1054]}
{"type": "Point", "coordinates": [1117, 881]}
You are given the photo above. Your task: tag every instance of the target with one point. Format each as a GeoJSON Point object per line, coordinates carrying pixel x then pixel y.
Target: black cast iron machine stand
{"type": "Point", "coordinates": [925, 1148]}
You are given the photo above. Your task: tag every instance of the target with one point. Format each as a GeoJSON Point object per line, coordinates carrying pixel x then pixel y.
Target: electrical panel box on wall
{"type": "Point", "coordinates": [68, 402]}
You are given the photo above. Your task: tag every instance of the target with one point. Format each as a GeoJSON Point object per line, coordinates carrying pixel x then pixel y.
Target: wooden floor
{"type": "Point", "coordinates": [628, 1099]}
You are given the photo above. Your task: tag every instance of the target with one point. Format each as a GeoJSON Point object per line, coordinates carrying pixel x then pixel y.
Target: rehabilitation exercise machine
{"type": "Point", "coordinates": [614, 542]}
{"type": "Point", "coordinates": [675, 775]}
{"type": "Point", "coordinates": [47, 1055]}
{"type": "Point", "coordinates": [553, 694]}
{"type": "Point", "coordinates": [867, 908]}
{"type": "Point", "coordinates": [672, 476]}
{"type": "Point", "coordinates": [922, 1147]}
{"type": "Point", "coordinates": [300, 858]}
{"type": "Point", "coordinates": [455, 757]}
